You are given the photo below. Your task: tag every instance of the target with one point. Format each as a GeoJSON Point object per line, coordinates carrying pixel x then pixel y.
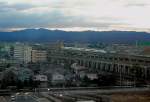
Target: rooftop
{"type": "Point", "coordinates": [85, 49]}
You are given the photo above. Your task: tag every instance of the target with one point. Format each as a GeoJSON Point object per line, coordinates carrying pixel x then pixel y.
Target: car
{"type": "Point", "coordinates": [12, 96]}
{"type": "Point", "coordinates": [13, 99]}
{"type": "Point", "coordinates": [26, 93]}
{"type": "Point", "coordinates": [86, 101]}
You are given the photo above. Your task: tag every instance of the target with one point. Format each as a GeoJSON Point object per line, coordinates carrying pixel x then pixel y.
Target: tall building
{"type": "Point", "coordinates": [22, 53]}
{"type": "Point", "coordinates": [39, 56]}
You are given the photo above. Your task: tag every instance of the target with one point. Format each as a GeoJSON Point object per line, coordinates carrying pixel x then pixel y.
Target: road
{"type": "Point", "coordinates": [97, 95]}
{"type": "Point", "coordinates": [25, 98]}
{"type": "Point", "coordinates": [69, 95]}
{"type": "Point", "coordinates": [103, 91]}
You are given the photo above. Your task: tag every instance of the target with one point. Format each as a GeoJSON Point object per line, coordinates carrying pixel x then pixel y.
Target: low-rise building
{"type": "Point", "coordinates": [57, 78]}
{"type": "Point", "coordinates": [42, 79]}
{"type": "Point", "coordinates": [77, 68]}
{"type": "Point", "coordinates": [39, 56]}
{"type": "Point", "coordinates": [102, 61]}
{"type": "Point", "coordinates": [92, 76]}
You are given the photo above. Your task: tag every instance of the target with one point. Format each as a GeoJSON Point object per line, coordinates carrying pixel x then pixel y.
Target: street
{"type": "Point", "coordinates": [70, 95]}
{"type": "Point", "coordinates": [24, 98]}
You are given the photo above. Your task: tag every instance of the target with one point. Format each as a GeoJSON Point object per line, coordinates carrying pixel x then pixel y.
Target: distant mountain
{"type": "Point", "coordinates": [44, 35]}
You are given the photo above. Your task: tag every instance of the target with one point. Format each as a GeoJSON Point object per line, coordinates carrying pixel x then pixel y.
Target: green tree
{"type": "Point", "coordinates": [136, 72]}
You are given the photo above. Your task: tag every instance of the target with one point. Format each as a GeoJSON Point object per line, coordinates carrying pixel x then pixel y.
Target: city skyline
{"type": "Point", "coordinates": [75, 15]}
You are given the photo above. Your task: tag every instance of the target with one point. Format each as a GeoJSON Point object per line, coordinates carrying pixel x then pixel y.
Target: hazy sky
{"type": "Point", "coordinates": [75, 14]}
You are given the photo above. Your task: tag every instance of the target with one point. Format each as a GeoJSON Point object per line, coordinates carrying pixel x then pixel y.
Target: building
{"type": "Point", "coordinates": [39, 56]}
{"type": "Point", "coordinates": [92, 76]}
{"type": "Point", "coordinates": [77, 68]}
{"type": "Point", "coordinates": [22, 52]}
{"type": "Point", "coordinates": [42, 79]}
{"type": "Point", "coordinates": [101, 61]}
{"type": "Point", "coordinates": [57, 78]}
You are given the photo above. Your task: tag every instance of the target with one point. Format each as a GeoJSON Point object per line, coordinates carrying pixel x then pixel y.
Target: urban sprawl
{"type": "Point", "coordinates": [34, 65]}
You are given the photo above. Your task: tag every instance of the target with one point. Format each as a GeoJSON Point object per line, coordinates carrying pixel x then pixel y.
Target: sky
{"type": "Point", "coordinates": [75, 15]}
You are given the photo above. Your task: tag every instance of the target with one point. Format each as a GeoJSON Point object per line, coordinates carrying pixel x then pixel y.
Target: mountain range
{"type": "Point", "coordinates": [45, 35]}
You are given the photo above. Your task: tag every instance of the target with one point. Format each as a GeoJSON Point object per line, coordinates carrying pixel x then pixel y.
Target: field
{"type": "Point", "coordinates": [131, 97]}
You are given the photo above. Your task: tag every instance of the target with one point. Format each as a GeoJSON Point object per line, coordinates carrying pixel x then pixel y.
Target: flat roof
{"type": "Point", "coordinates": [85, 49]}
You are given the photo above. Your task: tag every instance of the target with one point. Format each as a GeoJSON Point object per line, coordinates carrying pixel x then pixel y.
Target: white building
{"type": "Point", "coordinates": [57, 78]}
{"type": "Point", "coordinates": [42, 79]}
{"type": "Point", "coordinates": [22, 53]}
{"type": "Point", "coordinates": [92, 76]}
{"type": "Point", "coordinates": [77, 68]}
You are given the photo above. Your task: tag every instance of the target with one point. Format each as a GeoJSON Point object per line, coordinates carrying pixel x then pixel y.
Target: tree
{"type": "Point", "coordinates": [107, 80]}
{"type": "Point", "coordinates": [136, 72]}
{"type": "Point", "coordinates": [9, 79]}
{"type": "Point", "coordinates": [19, 84]}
